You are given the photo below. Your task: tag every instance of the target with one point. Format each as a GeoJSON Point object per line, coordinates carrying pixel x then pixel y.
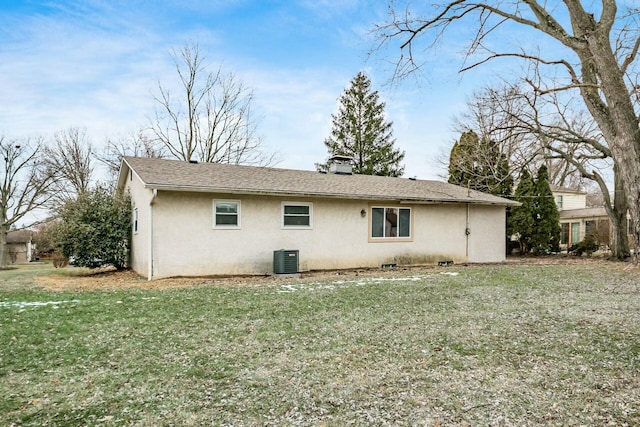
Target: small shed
{"type": "Point", "coordinates": [20, 246]}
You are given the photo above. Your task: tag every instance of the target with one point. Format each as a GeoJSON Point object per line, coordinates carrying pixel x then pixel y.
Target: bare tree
{"type": "Point", "coordinates": [489, 114]}
{"type": "Point", "coordinates": [27, 185]}
{"type": "Point", "coordinates": [569, 140]}
{"type": "Point", "coordinates": [599, 62]}
{"type": "Point", "coordinates": [71, 157]}
{"type": "Point", "coordinates": [135, 144]}
{"type": "Point", "coordinates": [211, 120]}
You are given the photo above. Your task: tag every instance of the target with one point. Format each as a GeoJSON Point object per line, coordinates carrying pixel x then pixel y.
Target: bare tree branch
{"type": "Point", "coordinates": [71, 157]}
{"type": "Point", "coordinates": [27, 185]}
{"type": "Point", "coordinates": [135, 144]}
{"type": "Point", "coordinates": [211, 121]}
{"type": "Point", "coordinates": [604, 47]}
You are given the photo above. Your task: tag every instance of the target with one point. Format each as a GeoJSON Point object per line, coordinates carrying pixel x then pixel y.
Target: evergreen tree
{"type": "Point", "coordinates": [360, 131]}
{"type": "Point", "coordinates": [522, 221]}
{"type": "Point", "coordinates": [462, 162]}
{"type": "Point", "coordinates": [480, 165]}
{"type": "Point", "coordinates": [96, 228]}
{"type": "Point", "coordinates": [546, 233]}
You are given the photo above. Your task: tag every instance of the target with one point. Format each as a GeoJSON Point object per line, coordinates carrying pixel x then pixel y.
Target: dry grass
{"type": "Point", "coordinates": [490, 345]}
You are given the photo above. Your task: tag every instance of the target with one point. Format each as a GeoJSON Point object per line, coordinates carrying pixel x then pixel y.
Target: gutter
{"type": "Point", "coordinates": [344, 196]}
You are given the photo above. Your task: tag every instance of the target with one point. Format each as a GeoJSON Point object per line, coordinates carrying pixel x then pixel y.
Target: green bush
{"type": "Point", "coordinates": [589, 245]}
{"type": "Point", "coordinates": [96, 229]}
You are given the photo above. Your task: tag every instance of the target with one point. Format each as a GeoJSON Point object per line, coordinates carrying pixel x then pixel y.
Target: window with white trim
{"type": "Point", "coordinates": [559, 201]}
{"type": "Point", "coordinates": [226, 214]}
{"type": "Point", "coordinates": [297, 215]}
{"type": "Point", "coordinates": [390, 222]}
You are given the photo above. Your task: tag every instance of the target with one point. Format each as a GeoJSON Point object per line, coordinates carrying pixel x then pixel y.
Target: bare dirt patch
{"type": "Point", "coordinates": [109, 279]}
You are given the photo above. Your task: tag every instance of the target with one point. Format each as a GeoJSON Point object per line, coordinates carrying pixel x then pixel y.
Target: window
{"type": "Point", "coordinates": [226, 213]}
{"type": "Point", "coordinates": [297, 215]}
{"type": "Point", "coordinates": [135, 220]}
{"type": "Point", "coordinates": [564, 235]}
{"type": "Point", "coordinates": [559, 202]}
{"type": "Point", "coordinates": [575, 232]}
{"type": "Point", "coordinates": [390, 222]}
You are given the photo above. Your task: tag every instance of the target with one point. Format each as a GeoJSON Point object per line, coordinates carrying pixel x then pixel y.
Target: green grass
{"type": "Point", "coordinates": [501, 345]}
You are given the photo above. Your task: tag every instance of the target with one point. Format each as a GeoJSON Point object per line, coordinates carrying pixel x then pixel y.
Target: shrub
{"type": "Point", "coordinates": [95, 229]}
{"type": "Point", "coordinates": [59, 260]}
{"type": "Point", "coordinates": [589, 245]}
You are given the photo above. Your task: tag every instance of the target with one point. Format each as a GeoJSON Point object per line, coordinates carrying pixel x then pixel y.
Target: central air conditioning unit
{"type": "Point", "coordinates": [285, 261]}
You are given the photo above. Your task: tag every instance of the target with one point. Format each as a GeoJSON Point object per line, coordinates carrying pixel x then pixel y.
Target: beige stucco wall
{"type": "Point", "coordinates": [140, 199]}
{"type": "Point", "coordinates": [186, 243]}
{"type": "Point", "coordinates": [487, 238]}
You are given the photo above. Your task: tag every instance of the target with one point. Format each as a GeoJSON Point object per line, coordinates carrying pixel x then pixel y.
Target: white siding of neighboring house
{"type": "Point", "coordinates": [571, 200]}
{"type": "Point", "coordinates": [186, 243]}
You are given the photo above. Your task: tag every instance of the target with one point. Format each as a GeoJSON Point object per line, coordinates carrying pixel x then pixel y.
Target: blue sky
{"type": "Point", "coordinates": [95, 64]}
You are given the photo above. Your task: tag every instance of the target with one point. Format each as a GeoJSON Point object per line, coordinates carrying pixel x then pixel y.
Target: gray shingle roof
{"type": "Point", "coordinates": [557, 189]}
{"type": "Point", "coordinates": [583, 213]}
{"type": "Point", "coordinates": [178, 175]}
{"type": "Point", "coordinates": [19, 236]}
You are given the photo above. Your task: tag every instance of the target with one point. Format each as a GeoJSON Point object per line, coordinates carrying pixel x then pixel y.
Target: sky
{"type": "Point", "coordinates": [95, 64]}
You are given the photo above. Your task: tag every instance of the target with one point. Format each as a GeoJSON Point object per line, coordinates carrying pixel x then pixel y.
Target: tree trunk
{"type": "Point", "coordinates": [633, 188]}
{"type": "Point", "coordinates": [3, 246]}
{"type": "Point", "coordinates": [616, 117]}
{"type": "Point", "coordinates": [618, 216]}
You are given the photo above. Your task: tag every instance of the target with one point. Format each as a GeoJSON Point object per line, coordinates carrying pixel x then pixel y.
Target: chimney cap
{"type": "Point", "coordinates": [339, 158]}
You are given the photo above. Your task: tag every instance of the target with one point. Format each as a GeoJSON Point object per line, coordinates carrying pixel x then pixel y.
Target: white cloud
{"type": "Point", "coordinates": [95, 64]}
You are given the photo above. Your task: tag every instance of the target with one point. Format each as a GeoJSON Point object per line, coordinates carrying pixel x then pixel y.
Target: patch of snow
{"type": "Point", "coordinates": [450, 273]}
{"type": "Point", "coordinates": [23, 304]}
{"type": "Point", "coordinates": [341, 284]}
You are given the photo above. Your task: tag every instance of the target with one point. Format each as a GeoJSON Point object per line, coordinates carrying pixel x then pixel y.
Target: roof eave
{"type": "Point", "coordinates": [368, 197]}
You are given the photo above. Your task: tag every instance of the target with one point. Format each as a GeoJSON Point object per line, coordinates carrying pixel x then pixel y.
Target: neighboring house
{"type": "Point", "coordinates": [194, 219]}
{"type": "Point", "coordinates": [577, 220]}
{"type": "Point", "coordinates": [567, 199]}
{"type": "Point", "coordinates": [20, 246]}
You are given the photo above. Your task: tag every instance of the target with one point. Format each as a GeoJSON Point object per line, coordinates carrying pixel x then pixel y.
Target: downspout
{"type": "Point", "coordinates": [467, 232]}
{"type": "Point", "coordinates": [150, 264]}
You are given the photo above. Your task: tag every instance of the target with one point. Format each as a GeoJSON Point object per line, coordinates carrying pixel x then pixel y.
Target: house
{"type": "Point", "coordinates": [577, 220]}
{"type": "Point", "coordinates": [20, 246]}
{"type": "Point", "coordinates": [193, 219]}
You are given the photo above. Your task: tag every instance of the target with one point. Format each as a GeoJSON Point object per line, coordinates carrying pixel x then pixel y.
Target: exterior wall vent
{"type": "Point", "coordinates": [285, 261]}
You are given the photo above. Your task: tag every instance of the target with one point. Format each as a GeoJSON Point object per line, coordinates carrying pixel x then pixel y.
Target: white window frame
{"type": "Point", "coordinates": [296, 227]}
{"type": "Point", "coordinates": [408, 238]}
{"type": "Point", "coordinates": [135, 221]}
{"type": "Point", "coordinates": [559, 201]}
{"type": "Point", "coordinates": [238, 214]}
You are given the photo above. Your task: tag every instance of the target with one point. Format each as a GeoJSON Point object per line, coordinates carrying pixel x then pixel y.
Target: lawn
{"type": "Point", "coordinates": [487, 345]}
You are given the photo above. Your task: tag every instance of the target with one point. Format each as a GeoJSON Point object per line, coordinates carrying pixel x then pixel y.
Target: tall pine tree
{"type": "Point", "coordinates": [537, 221]}
{"type": "Point", "coordinates": [480, 165]}
{"type": "Point", "coordinates": [522, 221]}
{"type": "Point", "coordinates": [361, 132]}
{"type": "Point", "coordinates": [462, 162]}
{"type": "Point", "coordinates": [546, 234]}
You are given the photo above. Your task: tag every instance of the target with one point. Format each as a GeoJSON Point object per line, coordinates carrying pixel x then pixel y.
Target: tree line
{"type": "Point", "coordinates": [209, 119]}
{"type": "Point", "coordinates": [573, 110]}
{"type": "Point", "coordinates": [576, 98]}
{"type": "Point", "coordinates": [206, 116]}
